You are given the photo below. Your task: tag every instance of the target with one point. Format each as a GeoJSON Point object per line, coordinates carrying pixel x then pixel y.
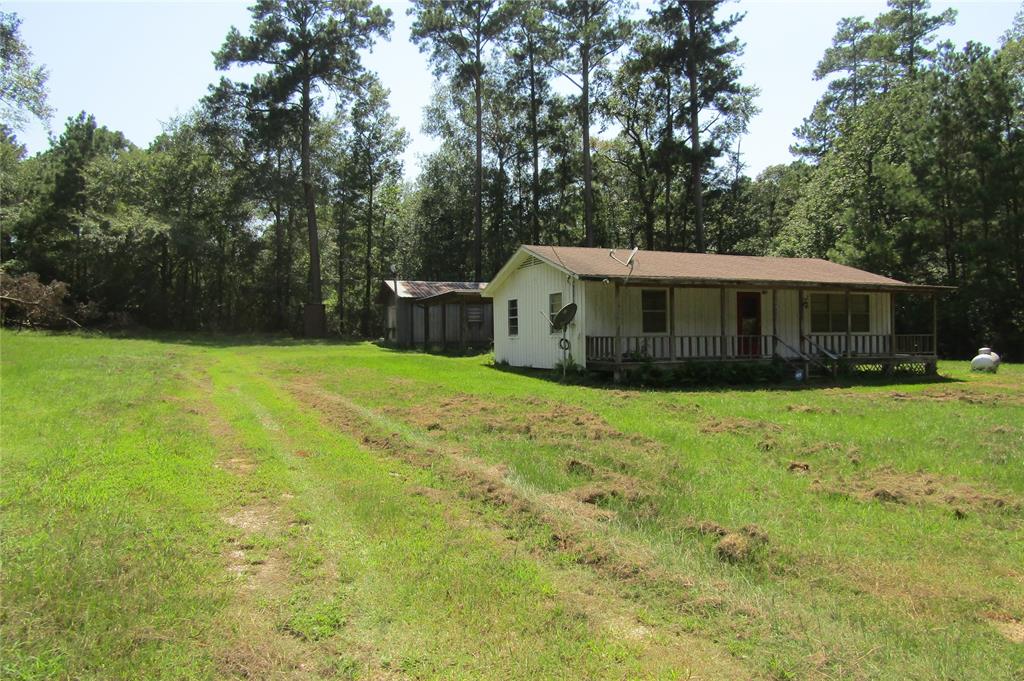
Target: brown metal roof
{"type": "Point", "coordinates": [595, 263]}
{"type": "Point", "coordinates": [428, 289]}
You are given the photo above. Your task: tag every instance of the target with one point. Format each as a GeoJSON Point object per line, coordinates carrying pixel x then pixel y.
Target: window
{"type": "Point", "coordinates": [554, 305]}
{"type": "Point", "coordinates": [513, 317]}
{"type": "Point", "coordinates": [828, 313]}
{"type": "Point", "coordinates": [655, 311]}
{"type": "Point", "coordinates": [860, 315]}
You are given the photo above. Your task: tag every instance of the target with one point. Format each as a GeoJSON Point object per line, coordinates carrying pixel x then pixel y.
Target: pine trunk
{"type": "Point", "coordinates": [696, 160]}
{"type": "Point", "coordinates": [588, 196]}
{"type": "Point", "coordinates": [314, 312]}
{"type": "Point", "coordinates": [478, 179]}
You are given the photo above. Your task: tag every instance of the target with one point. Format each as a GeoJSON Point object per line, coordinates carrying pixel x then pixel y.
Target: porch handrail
{"type": "Point", "coordinates": [789, 347]}
{"type": "Point", "coordinates": [820, 350]}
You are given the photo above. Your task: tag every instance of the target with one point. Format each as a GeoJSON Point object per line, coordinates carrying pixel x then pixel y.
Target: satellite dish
{"type": "Point", "coordinates": [564, 317]}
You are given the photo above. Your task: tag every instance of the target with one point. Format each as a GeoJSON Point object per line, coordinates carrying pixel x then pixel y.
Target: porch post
{"type": "Point", "coordinates": [775, 322]}
{"type": "Point", "coordinates": [444, 327]}
{"type": "Point", "coordinates": [672, 323]}
{"type": "Point", "coordinates": [935, 324]}
{"type": "Point", "coordinates": [800, 316]}
{"type": "Point", "coordinates": [721, 319]}
{"type": "Point", "coordinates": [618, 332]}
{"type": "Point", "coordinates": [849, 319]}
{"type": "Point", "coordinates": [892, 323]}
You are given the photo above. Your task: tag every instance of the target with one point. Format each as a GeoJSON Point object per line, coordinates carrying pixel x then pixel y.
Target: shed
{"type": "Point", "coordinates": [437, 314]}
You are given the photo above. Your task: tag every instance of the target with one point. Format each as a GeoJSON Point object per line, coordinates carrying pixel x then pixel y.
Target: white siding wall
{"type": "Point", "coordinates": [696, 310]}
{"type": "Point", "coordinates": [535, 346]}
{"type": "Point", "coordinates": [789, 322]}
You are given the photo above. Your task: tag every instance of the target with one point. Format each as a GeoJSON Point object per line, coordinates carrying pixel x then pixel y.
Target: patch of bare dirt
{"type": "Point", "coordinates": [577, 467]}
{"type": "Point", "coordinates": [254, 518]}
{"type": "Point", "coordinates": [544, 422]}
{"type": "Point", "coordinates": [966, 396]}
{"type": "Point", "coordinates": [1010, 627]}
{"type": "Point", "coordinates": [895, 487]}
{"type": "Point", "coordinates": [610, 486]}
{"type": "Point", "coordinates": [432, 493]}
{"type": "Point", "coordinates": [740, 547]}
{"type": "Point", "coordinates": [239, 465]}
{"type": "Point", "coordinates": [810, 409]}
{"type": "Point", "coordinates": [561, 503]}
{"type": "Point", "coordinates": [488, 483]}
{"type": "Point", "coordinates": [738, 425]}
{"type": "Point", "coordinates": [819, 447]}
{"type": "Point", "coordinates": [733, 546]}
{"type": "Point", "coordinates": [798, 467]}
{"type": "Point", "coordinates": [267, 576]}
{"type": "Point", "coordinates": [709, 528]}
{"type": "Point", "coordinates": [257, 651]}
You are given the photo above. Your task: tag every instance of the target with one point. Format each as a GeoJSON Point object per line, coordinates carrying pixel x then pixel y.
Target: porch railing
{"type": "Point", "coordinates": [871, 344]}
{"type": "Point", "coordinates": [860, 344]}
{"type": "Point", "coordinates": [666, 348]}
{"type": "Point", "coordinates": [915, 344]}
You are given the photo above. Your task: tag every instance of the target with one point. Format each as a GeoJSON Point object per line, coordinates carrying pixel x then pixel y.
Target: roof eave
{"type": "Point", "coordinates": [698, 282]}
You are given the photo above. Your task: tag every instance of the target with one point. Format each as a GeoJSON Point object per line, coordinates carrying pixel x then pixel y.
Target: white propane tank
{"type": "Point", "coordinates": [985, 361]}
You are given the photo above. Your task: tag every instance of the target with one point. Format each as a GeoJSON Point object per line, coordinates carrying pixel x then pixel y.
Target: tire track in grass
{"type": "Point", "coordinates": [578, 618]}
{"type": "Point", "coordinates": [254, 647]}
{"type": "Point", "coordinates": [576, 535]}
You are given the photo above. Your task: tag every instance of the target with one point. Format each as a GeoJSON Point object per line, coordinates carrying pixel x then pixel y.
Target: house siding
{"type": "Point", "coordinates": [534, 345]}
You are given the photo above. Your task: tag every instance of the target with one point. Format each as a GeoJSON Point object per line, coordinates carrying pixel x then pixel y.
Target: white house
{"type": "Point", "coordinates": [675, 307]}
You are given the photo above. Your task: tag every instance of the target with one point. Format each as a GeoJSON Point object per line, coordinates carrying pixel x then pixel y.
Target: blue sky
{"type": "Point", "coordinates": [135, 65]}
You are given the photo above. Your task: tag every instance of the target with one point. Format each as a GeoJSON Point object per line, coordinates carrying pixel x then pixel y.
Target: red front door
{"type": "Point", "coordinates": [748, 323]}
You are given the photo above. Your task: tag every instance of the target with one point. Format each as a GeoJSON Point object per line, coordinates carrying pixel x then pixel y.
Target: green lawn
{"type": "Point", "coordinates": [203, 508]}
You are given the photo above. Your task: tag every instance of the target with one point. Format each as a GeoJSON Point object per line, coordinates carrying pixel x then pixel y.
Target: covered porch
{"type": "Point", "coordinates": [812, 327]}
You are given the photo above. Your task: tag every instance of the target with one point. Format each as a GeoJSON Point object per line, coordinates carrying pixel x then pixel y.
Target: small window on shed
{"type": "Point", "coordinates": [474, 315]}
{"type": "Point", "coordinates": [655, 311]}
{"type": "Point", "coordinates": [513, 317]}
{"type": "Point", "coordinates": [554, 305]}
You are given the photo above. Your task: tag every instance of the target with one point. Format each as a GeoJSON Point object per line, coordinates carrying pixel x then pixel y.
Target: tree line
{"type": "Point", "coordinates": [279, 203]}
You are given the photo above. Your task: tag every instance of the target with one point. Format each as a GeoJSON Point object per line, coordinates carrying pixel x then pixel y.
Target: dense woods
{"type": "Point", "coordinates": [563, 122]}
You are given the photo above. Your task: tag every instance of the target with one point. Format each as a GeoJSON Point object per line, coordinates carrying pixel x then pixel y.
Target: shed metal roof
{"type": "Point", "coordinates": [428, 289]}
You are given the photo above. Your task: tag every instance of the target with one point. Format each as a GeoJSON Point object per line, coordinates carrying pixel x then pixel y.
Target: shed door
{"type": "Point", "coordinates": [748, 323]}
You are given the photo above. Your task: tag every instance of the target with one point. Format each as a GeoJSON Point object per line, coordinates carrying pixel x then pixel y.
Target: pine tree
{"type": "Point", "coordinates": [308, 45]}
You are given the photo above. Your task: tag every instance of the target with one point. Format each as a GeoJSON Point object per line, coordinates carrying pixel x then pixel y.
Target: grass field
{"type": "Point", "coordinates": [203, 508]}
